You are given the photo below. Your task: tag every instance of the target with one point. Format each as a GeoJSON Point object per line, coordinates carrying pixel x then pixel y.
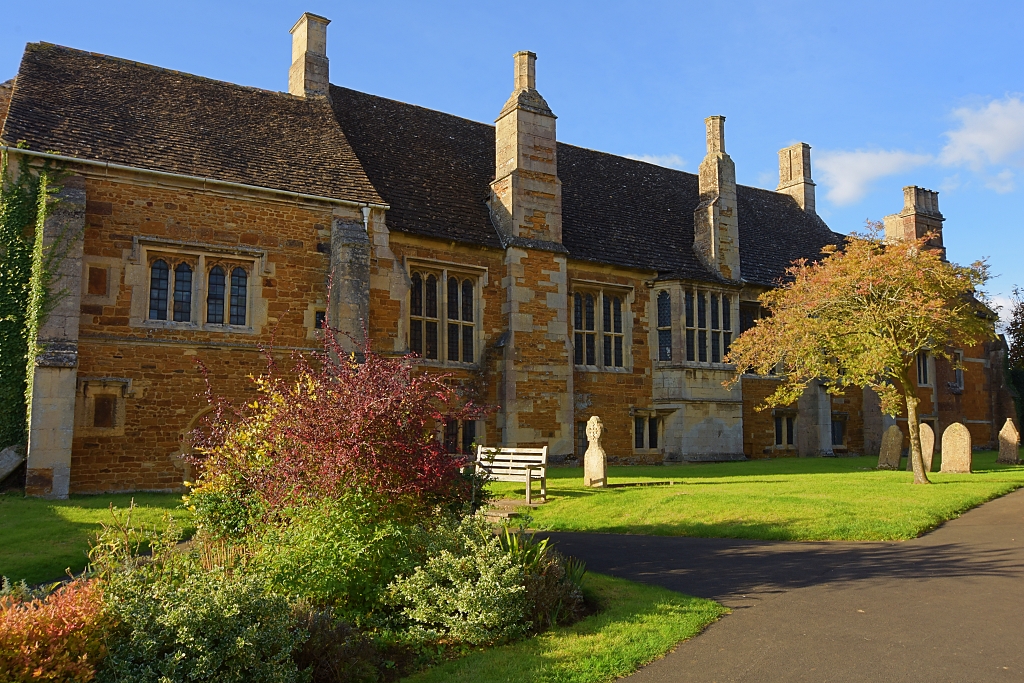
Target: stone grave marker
{"type": "Point", "coordinates": [927, 448]}
{"type": "Point", "coordinates": [956, 449]}
{"type": "Point", "coordinates": [595, 460]}
{"type": "Point", "coordinates": [10, 458]}
{"type": "Point", "coordinates": [892, 447]}
{"type": "Point", "coordinates": [1009, 443]}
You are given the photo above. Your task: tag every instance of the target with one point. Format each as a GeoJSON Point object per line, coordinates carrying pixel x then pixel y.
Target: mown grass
{"type": "Point", "coordinates": [783, 499]}
{"type": "Point", "coordinates": [637, 625]}
{"type": "Point", "coordinates": [41, 539]}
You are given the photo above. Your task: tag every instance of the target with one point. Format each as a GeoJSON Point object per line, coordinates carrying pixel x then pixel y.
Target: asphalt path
{"type": "Point", "coordinates": [948, 606]}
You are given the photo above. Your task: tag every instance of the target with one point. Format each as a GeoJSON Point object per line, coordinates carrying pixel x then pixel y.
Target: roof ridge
{"type": "Point", "coordinates": [153, 67]}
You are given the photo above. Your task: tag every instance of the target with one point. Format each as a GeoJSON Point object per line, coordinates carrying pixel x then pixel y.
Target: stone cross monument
{"type": "Point", "coordinates": [595, 460]}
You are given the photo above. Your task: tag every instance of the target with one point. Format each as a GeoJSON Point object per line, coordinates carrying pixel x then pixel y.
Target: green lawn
{"type": "Point", "coordinates": [786, 499]}
{"type": "Point", "coordinates": [637, 625]}
{"type": "Point", "coordinates": [39, 539]}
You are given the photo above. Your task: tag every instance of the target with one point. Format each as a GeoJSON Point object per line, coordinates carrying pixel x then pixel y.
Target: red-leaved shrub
{"type": "Point", "coordinates": [57, 638]}
{"type": "Point", "coordinates": [334, 425]}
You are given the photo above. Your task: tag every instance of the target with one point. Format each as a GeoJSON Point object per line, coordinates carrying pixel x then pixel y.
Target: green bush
{"type": "Point", "coordinates": [339, 554]}
{"type": "Point", "coordinates": [469, 590]}
{"type": "Point", "coordinates": [182, 617]}
{"type": "Point", "coordinates": [223, 514]}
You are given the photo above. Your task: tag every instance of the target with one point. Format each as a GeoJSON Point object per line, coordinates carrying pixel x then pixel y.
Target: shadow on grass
{"type": "Point", "coordinates": [41, 539]}
{"type": "Point", "coordinates": [720, 569]}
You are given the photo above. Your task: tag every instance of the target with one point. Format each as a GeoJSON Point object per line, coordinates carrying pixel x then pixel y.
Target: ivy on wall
{"type": "Point", "coordinates": [25, 276]}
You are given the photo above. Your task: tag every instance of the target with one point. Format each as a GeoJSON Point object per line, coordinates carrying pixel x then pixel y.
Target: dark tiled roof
{"type": "Point", "coordinates": [435, 169]}
{"type": "Point", "coordinates": [96, 107]}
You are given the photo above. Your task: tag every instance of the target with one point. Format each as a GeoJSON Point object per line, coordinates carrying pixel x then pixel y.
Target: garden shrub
{"type": "Point", "coordinates": [55, 638]}
{"type": "Point", "coordinates": [341, 553]}
{"type": "Point", "coordinates": [182, 617]}
{"type": "Point", "coordinates": [469, 590]}
{"type": "Point", "coordinates": [333, 425]}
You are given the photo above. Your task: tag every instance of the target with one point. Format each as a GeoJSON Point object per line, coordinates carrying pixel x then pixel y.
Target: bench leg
{"type": "Point", "coordinates": [544, 489]}
{"type": "Point", "coordinates": [529, 487]}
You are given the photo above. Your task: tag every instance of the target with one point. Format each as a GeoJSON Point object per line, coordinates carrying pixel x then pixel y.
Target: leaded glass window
{"type": "Point", "coordinates": [158, 283]}
{"type": "Point", "coordinates": [239, 285]}
{"type": "Point", "coordinates": [215, 296]}
{"type": "Point", "coordinates": [182, 293]}
{"type": "Point", "coordinates": [664, 326]}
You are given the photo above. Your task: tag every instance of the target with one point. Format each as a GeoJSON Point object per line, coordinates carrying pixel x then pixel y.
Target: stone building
{"type": "Point", "coordinates": [560, 281]}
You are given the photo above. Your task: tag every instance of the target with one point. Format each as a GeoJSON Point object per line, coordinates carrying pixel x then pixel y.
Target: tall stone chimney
{"type": "Point", "coordinates": [716, 232]}
{"type": "Point", "coordinates": [919, 217]}
{"type": "Point", "coordinates": [526, 195]}
{"type": "Point", "coordinates": [308, 76]}
{"type": "Point", "coordinates": [795, 175]}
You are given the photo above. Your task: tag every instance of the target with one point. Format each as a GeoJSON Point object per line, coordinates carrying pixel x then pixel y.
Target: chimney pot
{"type": "Point", "coordinates": [309, 74]}
{"type": "Point", "coordinates": [525, 70]}
{"type": "Point", "coordinates": [716, 134]}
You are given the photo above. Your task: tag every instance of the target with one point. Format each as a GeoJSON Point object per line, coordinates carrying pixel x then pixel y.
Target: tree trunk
{"type": "Point", "coordinates": [916, 458]}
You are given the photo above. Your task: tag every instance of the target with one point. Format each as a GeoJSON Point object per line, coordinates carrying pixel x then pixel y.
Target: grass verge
{"type": "Point", "coordinates": [637, 625]}
{"type": "Point", "coordinates": [793, 499]}
{"type": "Point", "coordinates": [40, 539]}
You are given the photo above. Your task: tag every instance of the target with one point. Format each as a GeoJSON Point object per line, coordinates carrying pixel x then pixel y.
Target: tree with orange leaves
{"type": "Point", "coordinates": [860, 316]}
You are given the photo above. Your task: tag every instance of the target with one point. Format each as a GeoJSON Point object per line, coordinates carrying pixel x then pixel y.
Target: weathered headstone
{"type": "Point", "coordinates": [595, 460]}
{"type": "Point", "coordinates": [892, 448]}
{"type": "Point", "coordinates": [10, 458]}
{"type": "Point", "coordinates": [1009, 444]}
{"type": "Point", "coordinates": [956, 449]}
{"type": "Point", "coordinates": [927, 448]}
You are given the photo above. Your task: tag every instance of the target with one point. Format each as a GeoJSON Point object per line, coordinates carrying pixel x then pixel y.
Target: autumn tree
{"type": "Point", "coordinates": [860, 316]}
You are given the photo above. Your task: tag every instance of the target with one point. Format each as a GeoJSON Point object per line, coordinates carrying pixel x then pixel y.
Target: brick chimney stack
{"type": "Point", "coordinates": [795, 175]}
{"type": "Point", "coordinates": [919, 217]}
{"type": "Point", "coordinates": [309, 74]}
{"type": "Point", "coordinates": [526, 195]}
{"type": "Point", "coordinates": [716, 238]}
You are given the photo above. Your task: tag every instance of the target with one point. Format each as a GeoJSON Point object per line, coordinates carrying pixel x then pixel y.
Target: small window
{"type": "Point", "coordinates": [423, 316]}
{"type": "Point", "coordinates": [182, 293]}
{"type": "Point", "coordinates": [459, 436]}
{"type": "Point", "coordinates": [691, 343]}
{"type": "Point", "coordinates": [749, 313]}
{"type": "Point", "coordinates": [103, 411]}
{"type": "Point", "coordinates": [838, 431]}
{"type": "Point", "coordinates": [320, 320]}
{"type": "Point", "coordinates": [664, 326]}
{"type": "Point", "coordinates": [158, 283]}
{"type": "Point", "coordinates": [958, 369]}
{"type": "Point", "coordinates": [443, 317]}
{"type": "Point", "coordinates": [215, 296]}
{"type": "Point", "coordinates": [645, 432]}
{"type": "Point", "coordinates": [784, 430]}
{"type": "Point", "coordinates": [595, 346]}
{"type": "Point", "coordinates": [97, 281]}
{"type": "Point", "coordinates": [922, 370]}
{"type": "Point", "coordinates": [239, 287]}
{"type": "Point", "coordinates": [726, 325]}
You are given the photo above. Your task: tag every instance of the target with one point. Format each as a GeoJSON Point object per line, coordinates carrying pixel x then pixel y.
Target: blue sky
{"type": "Point", "coordinates": [887, 93]}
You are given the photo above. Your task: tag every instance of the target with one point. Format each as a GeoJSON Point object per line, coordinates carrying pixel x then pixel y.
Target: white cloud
{"type": "Point", "coordinates": [848, 175]}
{"type": "Point", "coordinates": [992, 134]}
{"type": "Point", "coordinates": [1004, 306]}
{"type": "Point", "coordinates": [1001, 182]}
{"type": "Point", "coordinates": [667, 160]}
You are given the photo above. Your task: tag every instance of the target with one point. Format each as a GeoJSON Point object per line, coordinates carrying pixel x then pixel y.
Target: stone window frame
{"type": "Point", "coordinates": [442, 270]}
{"type": "Point", "coordinates": [925, 369]}
{"type": "Point", "coordinates": [784, 429]}
{"type": "Point", "coordinates": [724, 334]}
{"type": "Point", "coordinates": [456, 431]}
{"type": "Point", "coordinates": [647, 417]}
{"type": "Point", "coordinates": [228, 264]}
{"type": "Point", "coordinates": [957, 361]}
{"type": "Point", "coordinates": [599, 290]}
{"type": "Point", "coordinates": [843, 418]}
{"type": "Point", "coordinates": [202, 258]}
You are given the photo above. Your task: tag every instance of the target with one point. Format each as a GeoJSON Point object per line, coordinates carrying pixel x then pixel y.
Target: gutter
{"type": "Point", "coordinates": [108, 166]}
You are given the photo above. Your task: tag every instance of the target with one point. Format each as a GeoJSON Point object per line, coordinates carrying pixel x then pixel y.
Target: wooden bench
{"type": "Point", "coordinates": [516, 464]}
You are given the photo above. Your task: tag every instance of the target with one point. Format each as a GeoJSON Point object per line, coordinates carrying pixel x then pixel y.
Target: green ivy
{"type": "Point", "coordinates": [25, 278]}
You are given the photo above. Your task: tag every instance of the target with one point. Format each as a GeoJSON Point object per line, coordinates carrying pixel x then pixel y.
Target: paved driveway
{"type": "Point", "coordinates": [945, 607]}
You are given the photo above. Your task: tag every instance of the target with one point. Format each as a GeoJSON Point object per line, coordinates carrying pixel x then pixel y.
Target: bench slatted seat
{"type": "Point", "coordinates": [516, 464]}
